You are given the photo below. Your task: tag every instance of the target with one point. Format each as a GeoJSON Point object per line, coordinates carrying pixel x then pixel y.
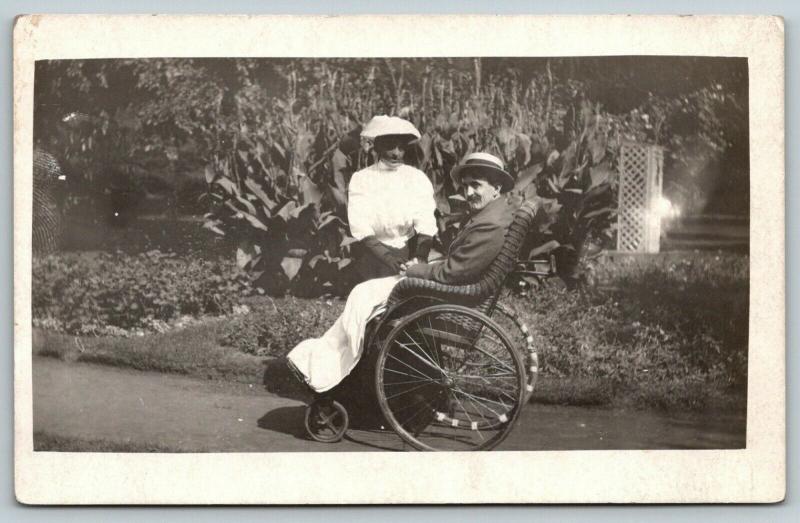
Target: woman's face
{"type": "Point", "coordinates": [391, 149]}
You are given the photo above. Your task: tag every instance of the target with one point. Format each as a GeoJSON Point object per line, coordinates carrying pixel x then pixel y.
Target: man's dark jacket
{"type": "Point", "coordinates": [474, 249]}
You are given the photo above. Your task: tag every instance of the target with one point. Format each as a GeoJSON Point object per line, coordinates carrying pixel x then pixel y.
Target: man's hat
{"type": "Point", "coordinates": [383, 125]}
{"type": "Point", "coordinates": [484, 165]}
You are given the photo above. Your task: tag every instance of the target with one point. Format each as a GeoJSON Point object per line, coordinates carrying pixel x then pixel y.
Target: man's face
{"type": "Point", "coordinates": [391, 149]}
{"type": "Point", "coordinates": [478, 191]}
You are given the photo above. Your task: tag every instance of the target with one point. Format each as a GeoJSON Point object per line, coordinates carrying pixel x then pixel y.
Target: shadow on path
{"type": "Point", "coordinates": [78, 401]}
{"type": "Point", "coordinates": [287, 420]}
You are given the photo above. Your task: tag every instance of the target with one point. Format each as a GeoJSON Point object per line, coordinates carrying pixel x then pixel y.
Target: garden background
{"type": "Point", "coordinates": [201, 224]}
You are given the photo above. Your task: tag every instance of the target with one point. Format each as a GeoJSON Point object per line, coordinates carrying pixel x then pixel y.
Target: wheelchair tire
{"type": "Point", "coordinates": [448, 378]}
{"type": "Point", "coordinates": [326, 420]}
{"type": "Point", "coordinates": [520, 335]}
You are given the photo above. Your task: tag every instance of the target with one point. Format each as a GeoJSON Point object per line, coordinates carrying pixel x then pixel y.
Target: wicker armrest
{"type": "Point", "coordinates": [409, 287]}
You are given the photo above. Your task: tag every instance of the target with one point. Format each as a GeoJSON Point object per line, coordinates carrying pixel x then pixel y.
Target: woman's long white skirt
{"type": "Point", "coordinates": [328, 360]}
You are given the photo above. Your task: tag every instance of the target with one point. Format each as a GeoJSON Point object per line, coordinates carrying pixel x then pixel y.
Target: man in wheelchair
{"type": "Point", "coordinates": [445, 362]}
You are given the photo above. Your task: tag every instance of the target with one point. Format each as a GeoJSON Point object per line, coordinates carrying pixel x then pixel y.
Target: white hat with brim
{"type": "Point", "coordinates": [484, 165]}
{"type": "Point", "coordinates": [383, 125]}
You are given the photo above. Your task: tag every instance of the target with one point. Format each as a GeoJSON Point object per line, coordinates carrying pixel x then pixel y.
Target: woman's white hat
{"type": "Point", "coordinates": [383, 125]}
{"type": "Point", "coordinates": [484, 165]}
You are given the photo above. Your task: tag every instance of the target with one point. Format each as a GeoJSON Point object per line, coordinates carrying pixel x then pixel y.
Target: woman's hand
{"type": "Point", "coordinates": [405, 266]}
{"type": "Point", "coordinates": [382, 253]}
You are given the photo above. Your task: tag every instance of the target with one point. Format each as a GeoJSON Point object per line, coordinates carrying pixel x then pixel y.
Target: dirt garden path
{"type": "Point", "coordinates": [79, 400]}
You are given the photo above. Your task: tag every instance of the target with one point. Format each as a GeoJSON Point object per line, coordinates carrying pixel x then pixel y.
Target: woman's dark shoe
{"type": "Point", "coordinates": [281, 379]}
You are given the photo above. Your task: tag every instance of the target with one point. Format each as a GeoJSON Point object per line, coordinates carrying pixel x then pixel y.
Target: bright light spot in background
{"type": "Point", "coordinates": [665, 209]}
{"type": "Point", "coordinates": [116, 214]}
{"type": "Point", "coordinates": [664, 206]}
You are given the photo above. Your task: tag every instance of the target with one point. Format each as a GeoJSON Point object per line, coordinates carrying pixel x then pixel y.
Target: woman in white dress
{"type": "Point", "coordinates": [390, 212]}
{"type": "Point", "coordinates": [390, 204]}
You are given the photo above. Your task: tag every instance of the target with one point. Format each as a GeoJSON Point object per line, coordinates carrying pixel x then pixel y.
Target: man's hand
{"type": "Point", "coordinates": [405, 266]}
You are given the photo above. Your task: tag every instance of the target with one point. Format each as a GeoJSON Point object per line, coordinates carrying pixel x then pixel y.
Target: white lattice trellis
{"type": "Point", "coordinates": [640, 176]}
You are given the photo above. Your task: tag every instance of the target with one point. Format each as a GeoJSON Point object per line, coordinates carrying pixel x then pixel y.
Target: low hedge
{"type": "Point", "coordinates": [668, 330]}
{"type": "Point", "coordinates": [273, 327]}
{"type": "Point", "coordinates": [113, 293]}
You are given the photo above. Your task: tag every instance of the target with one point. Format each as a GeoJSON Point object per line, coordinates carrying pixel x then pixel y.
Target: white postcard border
{"type": "Point", "coordinates": [755, 474]}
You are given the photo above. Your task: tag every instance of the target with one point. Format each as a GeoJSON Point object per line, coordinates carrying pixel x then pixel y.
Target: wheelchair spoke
{"type": "Point", "coordinates": [393, 371]}
{"type": "Point", "coordinates": [407, 391]}
{"type": "Point", "coordinates": [499, 390]}
{"type": "Point", "coordinates": [466, 413]}
{"type": "Point", "coordinates": [495, 358]}
{"type": "Point", "coordinates": [406, 422]}
{"type": "Point", "coordinates": [479, 398]}
{"type": "Point", "coordinates": [412, 418]}
{"type": "Point", "coordinates": [424, 337]}
{"type": "Point", "coordinates": [430, 325]}
{"type": "Point", "coordinates": [479, 410]}
{"type": "Point", "coordinates": [487, 376]}
{"type": "Point", "coordinates": [418, 372]}
{"type": "Point", "coordinates": [410, 405]}
{"type": "Point", "coordinates": [426, 361]}
{"type": "Point", "coordinates": [470, 396]}
{"type": "Point", "coordinates": [397, 383]}
{"type": "Point", "coordinates": [424, 356]}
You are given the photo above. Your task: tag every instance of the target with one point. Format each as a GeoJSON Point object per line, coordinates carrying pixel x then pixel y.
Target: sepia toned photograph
{"type": "Point", "coordinates": [372, 255]}
{"type": "Point", "coordinates": [390, 254]}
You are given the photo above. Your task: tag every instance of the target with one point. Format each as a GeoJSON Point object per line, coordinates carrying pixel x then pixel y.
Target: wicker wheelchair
{"type": "Point", "coordinates": [449, 368]}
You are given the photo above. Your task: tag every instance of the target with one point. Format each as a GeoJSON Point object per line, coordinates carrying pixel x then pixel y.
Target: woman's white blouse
{"type": "Point", "coordinates": [391, 204]}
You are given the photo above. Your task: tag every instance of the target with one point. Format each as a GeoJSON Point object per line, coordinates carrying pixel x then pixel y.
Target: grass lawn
{"type": "Point", "coordinates": [193, 351]}
{"type": "Point", "coordinates": [43, 442]}
{"type": "Point", "coordinates": [665, 332]}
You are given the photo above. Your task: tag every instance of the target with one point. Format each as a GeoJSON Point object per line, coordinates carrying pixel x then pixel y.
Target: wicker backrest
{"type": "Point", "coordinates": [482, 294]}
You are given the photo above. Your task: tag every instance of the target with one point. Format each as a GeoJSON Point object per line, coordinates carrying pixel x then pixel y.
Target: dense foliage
{"type": "Point", "coordinates": [665, 331]}
{"type": "Point", "coordinates": [115, 293]}
{"type": "Point", "coordinates": [668, 331]}
{"type": "Point", "coordinates": [285, 181]}
{"type": "Point", "coordinates": [278, 140]}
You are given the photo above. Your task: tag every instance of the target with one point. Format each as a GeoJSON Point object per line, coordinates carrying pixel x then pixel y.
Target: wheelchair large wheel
{"type": "Point", "coordinates": [448, 378]}
{"type": "Point", "coordinates": [521, 337]}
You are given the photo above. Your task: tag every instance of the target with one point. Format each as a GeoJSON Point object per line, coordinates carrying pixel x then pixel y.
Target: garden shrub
{"type": "Point", "coordinates": [276, 326]}
{"type": "Point", "coordinates": [664, 323]}
{"type": "Point", "coordinates": [108, 293]}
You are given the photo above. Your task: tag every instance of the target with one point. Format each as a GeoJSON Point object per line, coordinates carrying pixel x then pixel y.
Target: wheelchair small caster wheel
{"type": "Point", "coordinates": [326, 420]}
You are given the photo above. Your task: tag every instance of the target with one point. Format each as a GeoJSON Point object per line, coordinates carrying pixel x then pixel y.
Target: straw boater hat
{"type": "Point", "coordinates": [486, 166]}
{"type": "Point", "coordinates": [390, 125]}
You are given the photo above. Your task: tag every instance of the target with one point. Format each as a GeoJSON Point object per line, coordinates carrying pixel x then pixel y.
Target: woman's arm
{"type": "Point", "coordinates": [359, 208]}
{"type": "Point", "coordinates": [384, 254]}
{"type": "Point", "coordinates": [424, 217]}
